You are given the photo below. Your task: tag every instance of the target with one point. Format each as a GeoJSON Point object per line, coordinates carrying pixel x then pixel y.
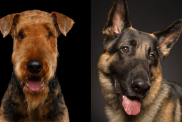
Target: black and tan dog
{"type": "Point", "coordinates": [34, 93]}
{"type": "Point", "coordinates": [130, 71]}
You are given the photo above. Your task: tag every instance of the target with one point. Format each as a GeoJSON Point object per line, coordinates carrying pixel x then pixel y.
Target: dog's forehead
{"type": "Point", "coordinates": [34, 17]}
{"type": "Point", "coordinates": [147, 37]}
{"type": "Point", "coordinates": [139, 36]}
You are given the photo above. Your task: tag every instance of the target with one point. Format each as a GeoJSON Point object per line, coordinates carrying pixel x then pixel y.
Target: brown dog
{"type": "Point", "coordinates": [34, 93]}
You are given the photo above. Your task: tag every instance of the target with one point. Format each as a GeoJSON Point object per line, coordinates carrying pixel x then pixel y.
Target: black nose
{"type": "Point", "coordinates": [34, 66]}
{"type": "Point", "coordinates": [140, 87]}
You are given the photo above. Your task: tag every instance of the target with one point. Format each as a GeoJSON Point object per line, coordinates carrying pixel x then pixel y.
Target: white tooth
{"type": "Point", "coordinates": [42, 84]}
{"type": "Point", "coordinates": [115, 83]}
{"type": "Point", "coordinates": [27, 84]}
{"type": "Point", "coordinates": [123, 96]}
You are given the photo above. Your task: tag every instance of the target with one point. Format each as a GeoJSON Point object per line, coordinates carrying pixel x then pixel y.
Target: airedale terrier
{"type": "Point", "coordinates": [34, 93]}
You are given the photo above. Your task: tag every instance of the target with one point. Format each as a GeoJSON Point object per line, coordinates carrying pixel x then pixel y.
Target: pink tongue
{"type": "Point", "coordinates": [34, 85]}
{"type": "Point", "coordinates": [131, 107]}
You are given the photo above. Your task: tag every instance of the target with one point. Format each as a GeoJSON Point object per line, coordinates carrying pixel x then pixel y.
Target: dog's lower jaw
{"type": "Point", "coordinates": [131, 106]}
{"type": "Point", "coordinates": [35, 99]}
{"type": "Point", "coordinates": [42, 84]}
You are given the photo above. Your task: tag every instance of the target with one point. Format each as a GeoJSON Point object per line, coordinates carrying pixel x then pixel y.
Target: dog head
{"type": "Point", "coordinates": [131, 58]}
{"type": "Point", "coordinates": [35, 43]}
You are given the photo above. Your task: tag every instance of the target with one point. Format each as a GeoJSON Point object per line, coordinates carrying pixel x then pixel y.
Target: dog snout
{"type": "Point", "coordinates": [140, 86]}
{"type": "Point", "coordinates": [34, 66]}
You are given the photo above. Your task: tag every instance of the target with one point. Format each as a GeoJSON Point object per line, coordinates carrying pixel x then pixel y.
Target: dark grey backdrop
{"type": "Point", "coordinates": [145, 15]}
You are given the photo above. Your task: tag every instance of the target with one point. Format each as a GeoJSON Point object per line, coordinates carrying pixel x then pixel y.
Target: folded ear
{"type": "Point", "coordinates": [118, 19]}
{"type": "Point", "coordinates": [7, 23]}
{"type": "Point", "coordinates": [168, 37]}
{"type": "Point", "coordinates": [62, 23]}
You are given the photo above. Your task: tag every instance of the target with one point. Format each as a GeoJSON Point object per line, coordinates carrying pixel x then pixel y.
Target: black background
{"type": "Point", "coordinates": [145, 15]}
{"type": "Point", "coordinates": [73, 69]}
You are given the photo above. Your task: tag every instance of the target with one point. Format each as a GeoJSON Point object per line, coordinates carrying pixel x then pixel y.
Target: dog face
{"type": "Point", "coordinates": [131, 58]}
{"type": "Point", "coordinates": [35, 44]}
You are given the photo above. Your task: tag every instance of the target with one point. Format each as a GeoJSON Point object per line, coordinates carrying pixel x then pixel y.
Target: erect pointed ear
{"type": "Point", "coordinates": [7, 23]}
{"type": "Point", "coordinates": [118, 18]}
{"type": "Point", "coordinates": [168, 37]}
{"type": "Point", "coordinates": [62, 23]}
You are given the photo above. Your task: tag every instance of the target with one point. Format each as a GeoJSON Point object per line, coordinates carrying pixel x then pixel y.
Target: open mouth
{"type": "Point", "coordinates": [131, 105]}
{"type": "Point", "coordinates": [35, 83]}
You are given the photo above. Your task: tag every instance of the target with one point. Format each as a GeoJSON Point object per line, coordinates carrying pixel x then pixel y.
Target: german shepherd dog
{"type": "Point", "coordinates": [130, 71]}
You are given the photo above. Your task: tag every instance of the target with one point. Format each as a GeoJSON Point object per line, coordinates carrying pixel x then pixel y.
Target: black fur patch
{"type": "Point", "coordinates": [54, 105]}
{"type": "Point", "coordinates": [9, 105]}
{"type": "Point", "coordinates": [56, 111]}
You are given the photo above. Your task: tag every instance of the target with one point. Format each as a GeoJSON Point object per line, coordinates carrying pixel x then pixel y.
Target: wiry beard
{"type": "Point", "coordinates": [35, 99]}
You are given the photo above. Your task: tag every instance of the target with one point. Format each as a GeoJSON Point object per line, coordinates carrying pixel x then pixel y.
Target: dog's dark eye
{"type": "Point", "coordinates": [125, 49]}
{"type": "Point", "coordinates": [152, 57]}
{"type": "Point", "coordinates": [49, 34]}
{"type": "Point", "coordinates": [21, 35]}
